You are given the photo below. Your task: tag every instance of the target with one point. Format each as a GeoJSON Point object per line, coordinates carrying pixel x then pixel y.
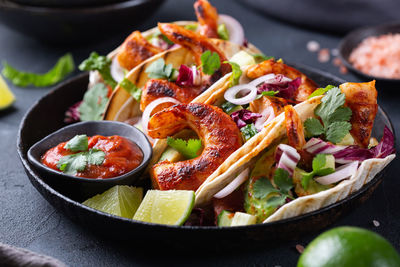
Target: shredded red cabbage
{"type": "Point", "coordinates": [72, 114]}
{"type": "Point", "coordinates": [355, 153]}
{"type": "Point", "coordinates": [196, 218]}
{"type": "Point", "coordinates": [185, 77]}
{"type": "Point", "coordinates": [243, 117]}
{"type": "Point", "coordinates": [386, 145]}
{"type": "Point", "coordinates": [287, 89]}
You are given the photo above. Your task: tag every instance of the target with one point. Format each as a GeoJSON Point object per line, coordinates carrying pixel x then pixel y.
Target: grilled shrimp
{"type": "Point", "coordinates": [306, 87]}
{"type": "Point", "coordinates": [263, 103]}
{"type": "Point", "coordinates": [219, 134]}
{"type": "Point", "coordinates": [135, 50]}
{"type": "Point", "coordinates": [361, 98]}
{"type": "Point", "coordinates": [197, 44]}
{"type": "Point", "coordinates": [207, 16]}
{"type": "Point", "coordinates": [156, 88]}
{"type": "Point", "coordinates": [294, 128]}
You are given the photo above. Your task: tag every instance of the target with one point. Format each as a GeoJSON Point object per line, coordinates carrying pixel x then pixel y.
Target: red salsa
{"type": "Point", "coordinates": [121, 156]}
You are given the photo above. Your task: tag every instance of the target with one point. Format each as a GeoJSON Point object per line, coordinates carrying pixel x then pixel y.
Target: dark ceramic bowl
{"type": "Point", "coordinates": [354, 38]}
{"type": "Point", "coordinates": [85, 187]}
{"type": "Point", "coordinates": [76, 24]}
{"type": "Point", "coordinates": [34, 128]}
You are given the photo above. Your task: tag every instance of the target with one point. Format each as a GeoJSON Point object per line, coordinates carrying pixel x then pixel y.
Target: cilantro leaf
{"type": "Point", "coordinates": [228, 106]}
{"type": "Point", "coordinates": [236, 73]}
{"type": "Point", "coordinates": [334, 116]}
{"type": "Point", "coordinates": [71, 164]}
{"type": "Point", "coordinates": [78, 143]}
{"type": "Point", "coordinates": [131, 89]}
{"type": "Point", "coordinates": [210, 62]}
{"type": "Point", "coordinates": [276, 201]}
{"type": "Point", "coordinates": [261, 57]}
{"type": "Point", "coordinates": [337, 131]}
{"type": "Point", "coordinates": [321, 91]}
{"type": "Point", "coordinates": [283, 181]}
{"type": "Point", "coordinates": [249, 131]}
{"type": "Point", "coordinates": [263, 187]}
{"type": "Point", "coordinates": [64, 66]}
{"type": "Point", "coordinates": [314, 127]}
{"type": "Point", "coordinates": [95, 156]}
{"type": "Point", "coordinates": [94, 103]}
{"type": "Point", "coordinates": [341, 114]}
{"type": "Point", "coordinates": [102, 65]}
{"type": "Point", "coordinates": [189, 148]}
{"type": "Point", "coordinates": [319, 165]}
{"type": "Point", "coordinates": [319, 162]}
{"type": "Point", "coordinates": [159, 70]}
{"type": "Point", "coordinates": [223, 32]}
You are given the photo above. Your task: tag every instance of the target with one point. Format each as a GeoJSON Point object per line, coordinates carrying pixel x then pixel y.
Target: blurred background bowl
{"type": "Point", "coordinates": [65, 3]}
{"type": "Point", "coordinates": [75, 24]}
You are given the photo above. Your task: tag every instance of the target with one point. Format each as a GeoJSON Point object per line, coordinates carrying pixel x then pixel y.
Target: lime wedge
{"type": "Point", "coordinates": [7, 98]}
{"type": "Point", "coordinates": [171, 207]}
{"type": "Point", "coordinates": [120, 200]}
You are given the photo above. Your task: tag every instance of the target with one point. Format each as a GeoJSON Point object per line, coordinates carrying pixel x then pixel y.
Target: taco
{"type": "Point", "coordinates": [227, 131]}
{"type": "Point", "coordinates": [313, 154]}
{"type": "Point", "coordinates": [139, 46]}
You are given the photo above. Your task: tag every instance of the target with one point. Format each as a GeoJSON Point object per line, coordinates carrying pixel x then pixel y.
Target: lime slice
{"type": "Point", "coordinates": [7, 98]}
{"type": "Point", "coordinates": [120, 200]}
{"type": "Point", "coordinates": [171, 207]}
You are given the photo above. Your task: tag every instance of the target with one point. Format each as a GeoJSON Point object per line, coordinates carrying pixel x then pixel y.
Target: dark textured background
{"type": "Point", "coordinates": [28, 221]}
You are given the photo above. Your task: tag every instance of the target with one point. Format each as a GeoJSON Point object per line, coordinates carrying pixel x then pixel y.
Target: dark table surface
{"type": "Point", "coordinates": [28, 221]}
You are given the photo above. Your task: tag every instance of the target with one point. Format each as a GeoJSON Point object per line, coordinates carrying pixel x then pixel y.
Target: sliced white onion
{"type": "Point", "coordinates": [240, 179]}
{"type": "Point", "coordinates": [288, 159]}
{"type": "Point", "coordinates": [196, 76]}
{"type": "Point", "coordinates": [268, 115]}
{"type": "Point", "coordinates": [235, 29]}
{"type": "Point", "coordinates": [150, 107]}
{"type": "Point", "coordinates": [340, 174]}
{"type": "Point", "coordinates": [230, 94]}
{"type": "Point", "coordinates": [270, 79]}
{"type": "Point", "coordinates": [117, 72]}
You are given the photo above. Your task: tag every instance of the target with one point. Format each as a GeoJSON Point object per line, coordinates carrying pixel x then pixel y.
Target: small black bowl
{"type": "Point", "coordinates": [74, 25]}
{"type": "Point", "coordinates": [87, 187]}
{"type": "Point", "coordinates": [354, 38]}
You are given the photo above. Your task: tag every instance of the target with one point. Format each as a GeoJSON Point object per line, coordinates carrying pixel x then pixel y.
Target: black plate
{"type": "Point", "coordinates": [354, 38]}
{"type": "Point", "coordinates": [75, 24]}
{"type": "Point", "coordinates": [53, 106]}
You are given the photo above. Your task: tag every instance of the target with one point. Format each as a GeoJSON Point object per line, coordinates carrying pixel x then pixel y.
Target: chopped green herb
{"type": "Point", "coordinates": [78, 143]}
{"type": "Point", "coordinates": [261, 57]}
{"type": "Point", "coordinates": [159, 70]}
{"type": "Point", "coordinates": [223, 32]}
{"type": "Point", "coordinates": [249, 131]}
{"type": "Point", "coordinates": [189, 148]}
{"type": "Point", "coordinates": [321, 91]}
{"type": "Point", "coordinates": [210, 62]}
{"type": "Point", "coordinates": [94, 103]}
{"type": "Point", "coordinates": [334, 116]}
{"type": "Point", "coordinates": [64, 66]}
{"type": "Point", "coordinates": [102, 65]}
{"type": "Point", "coordinates": [236, 73]}
{"type": "Point", "coordinates": [322, 164]}
{"type": "Point", "coordinates": [74, 163]}
{"type": "Point", "coordinates": [131, 88]}
{"type": "Point", "coordinates": [228, 106]}
{"type": "Point", "coordinates": [262, 188]}
{"type": "Point", "coordinates": [191, 27]}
